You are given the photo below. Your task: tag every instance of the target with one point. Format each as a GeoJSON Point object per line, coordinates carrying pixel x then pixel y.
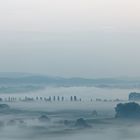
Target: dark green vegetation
{"type": "Point", "coordinates": [128, 110]}
{"type": "Point", "coordinates": [81, 123]}
{"type": "Point", "coordinates": [134, 96]}
{"type": "Point", "coordinates": [4, 106]}
{"type": "Point", "coordinates": [43, 118]}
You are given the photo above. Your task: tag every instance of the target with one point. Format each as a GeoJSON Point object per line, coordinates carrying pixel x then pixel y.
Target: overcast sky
{"type": "Point", "coordinates": [86, 38]}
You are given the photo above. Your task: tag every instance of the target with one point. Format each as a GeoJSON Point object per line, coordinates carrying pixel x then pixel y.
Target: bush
{"type": "Point", "coordinates": [128, 110]}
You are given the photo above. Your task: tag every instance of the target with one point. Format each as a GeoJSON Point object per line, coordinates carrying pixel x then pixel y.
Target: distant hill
{"type": "Point", "coordinates": [35, 81]}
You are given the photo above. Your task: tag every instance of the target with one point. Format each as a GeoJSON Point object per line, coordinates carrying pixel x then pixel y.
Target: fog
{"type": "Point", "coordinates": [86, 93]}
{"type": "Point", "coordinates": [92, 55]}
{"type": "Point", "coordinates": [24, 121]}
{"type": "Point", "coordinates": [60, 38]}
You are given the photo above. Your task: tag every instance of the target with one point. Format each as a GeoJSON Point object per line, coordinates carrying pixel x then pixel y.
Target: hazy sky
{"type": "Point", "coordinates": [87, 38]}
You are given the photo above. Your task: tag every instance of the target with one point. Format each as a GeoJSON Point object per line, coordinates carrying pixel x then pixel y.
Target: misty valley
{"type": "Point", "coordinates": [36, 109]}
{"type": "Point", "coordinates": [64, 120]}
{"type": "Point", "coordinates": [69, 70]}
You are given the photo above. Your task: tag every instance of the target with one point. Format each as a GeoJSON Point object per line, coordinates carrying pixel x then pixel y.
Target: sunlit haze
{"type": "Point", "coordinates": [84, 38]}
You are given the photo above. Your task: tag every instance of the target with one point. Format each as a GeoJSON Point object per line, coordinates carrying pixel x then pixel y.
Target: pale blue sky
{"type": "Point", "coordinates": [86, 38]}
